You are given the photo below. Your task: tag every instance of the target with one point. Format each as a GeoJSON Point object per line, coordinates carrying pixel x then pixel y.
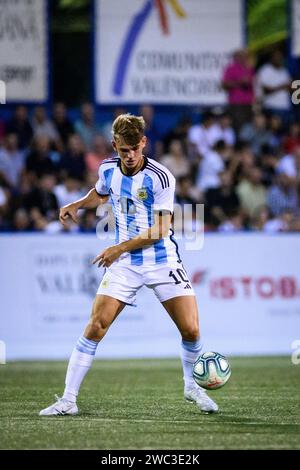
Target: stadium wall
{"type": "Point", "coordinates": [247, 285]}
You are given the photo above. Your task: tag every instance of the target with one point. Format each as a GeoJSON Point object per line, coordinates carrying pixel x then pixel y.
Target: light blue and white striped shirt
{"type": "Point", "coordinates": [134, 200]}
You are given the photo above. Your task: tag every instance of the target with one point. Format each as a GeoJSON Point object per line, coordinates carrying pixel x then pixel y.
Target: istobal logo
{"type": "Point", "coordinates": [133, 32]}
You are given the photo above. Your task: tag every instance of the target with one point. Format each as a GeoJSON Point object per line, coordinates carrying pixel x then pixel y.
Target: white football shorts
{"type": "Point", "coordinates": [167, 280]}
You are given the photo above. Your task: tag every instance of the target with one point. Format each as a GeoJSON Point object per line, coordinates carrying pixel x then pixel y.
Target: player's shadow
{"type": "Point", "coordinates": [227, 418]}
{"type": "Point", "coordinates": [223, 417]}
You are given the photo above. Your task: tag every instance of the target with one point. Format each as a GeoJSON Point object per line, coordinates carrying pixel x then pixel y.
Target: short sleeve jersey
{"type": "Point", "coordinates": [134, 200]}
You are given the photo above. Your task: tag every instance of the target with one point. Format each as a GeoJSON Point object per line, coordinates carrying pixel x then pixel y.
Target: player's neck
{"type": "Point", "coordinates": [132, 171]}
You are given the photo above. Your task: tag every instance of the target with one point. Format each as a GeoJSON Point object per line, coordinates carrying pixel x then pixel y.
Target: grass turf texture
{"type": "Point", "coordinates": [138, 404]}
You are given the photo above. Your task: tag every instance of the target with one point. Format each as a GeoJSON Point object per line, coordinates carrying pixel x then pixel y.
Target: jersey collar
{"type": "Point", "coordinates": [141, 169]}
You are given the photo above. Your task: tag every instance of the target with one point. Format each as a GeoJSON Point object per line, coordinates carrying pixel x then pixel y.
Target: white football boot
{"type": "Point", "coordinates": [61, 407]}
{"type": "Point", "coordinates": [198, 395]}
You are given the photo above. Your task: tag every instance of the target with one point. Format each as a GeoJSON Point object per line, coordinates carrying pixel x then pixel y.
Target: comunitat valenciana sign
{"type": "Point", "coordinates": [23, 51]}
{"type": "Point", "coordinates": [164, 51]}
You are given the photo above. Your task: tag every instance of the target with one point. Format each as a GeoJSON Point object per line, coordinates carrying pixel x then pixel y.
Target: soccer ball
{"type": "Point", "coordinates": [211, 370]}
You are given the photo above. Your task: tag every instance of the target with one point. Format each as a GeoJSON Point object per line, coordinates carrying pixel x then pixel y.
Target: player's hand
{"type": "Point", "coordinates": [108, 256]}
{"type": "Point", "coordinates": [68, 211]}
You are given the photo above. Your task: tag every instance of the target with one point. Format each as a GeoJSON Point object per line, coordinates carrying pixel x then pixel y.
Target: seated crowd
{"type": "Point", "coordinates": [247, 179]}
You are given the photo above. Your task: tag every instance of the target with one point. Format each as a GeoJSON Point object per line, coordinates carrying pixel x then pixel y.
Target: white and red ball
{"type": "Point", "coordinates": [211, 370]}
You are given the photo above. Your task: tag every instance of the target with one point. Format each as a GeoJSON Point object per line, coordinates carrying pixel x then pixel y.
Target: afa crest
{"type": "Point", "coordinates": [142, 194]}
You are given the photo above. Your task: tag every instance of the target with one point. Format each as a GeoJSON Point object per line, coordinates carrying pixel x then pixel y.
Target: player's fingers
{"type": "Point", "coordinates": [105, 262]}
{"type": "Point", "coordinates": [62, 219]}
{"type": "Point", "coordinates": [98, 257]}
{"type": "Point", "coordinates": [102, 262]}
{"type": "Point", "coordinates": [73, 217]}
{"type": "Point", "coordinates": [63, 216]}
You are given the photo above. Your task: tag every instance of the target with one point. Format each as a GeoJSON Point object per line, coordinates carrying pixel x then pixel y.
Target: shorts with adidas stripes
{"type": "Point", "coordinates": [123, 281]}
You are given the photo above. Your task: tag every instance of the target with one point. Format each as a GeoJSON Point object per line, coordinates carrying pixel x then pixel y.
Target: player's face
{"type": "Point", "coordinates": [131, 156]}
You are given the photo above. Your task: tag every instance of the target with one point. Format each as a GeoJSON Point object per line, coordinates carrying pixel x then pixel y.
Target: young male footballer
{"type": "Point", "coordinates": [142, 194]}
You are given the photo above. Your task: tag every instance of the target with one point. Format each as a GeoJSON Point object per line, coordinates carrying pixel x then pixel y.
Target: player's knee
{"type": "Point", "coordinates": [190, 333]}
{"type": "Point", "coordinates": [98, 325]}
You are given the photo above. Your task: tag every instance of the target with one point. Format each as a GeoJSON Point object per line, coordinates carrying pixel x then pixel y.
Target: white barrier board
{"type": "Point", "coordinates": [248, 290]}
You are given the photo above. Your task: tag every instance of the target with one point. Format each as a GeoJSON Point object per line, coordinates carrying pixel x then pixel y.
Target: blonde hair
{"type": "Point", "coordinates": [131, 128]}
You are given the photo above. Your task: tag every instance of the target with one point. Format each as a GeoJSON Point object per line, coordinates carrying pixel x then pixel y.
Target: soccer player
{"type": "Point", "coordinates": [142, 194]}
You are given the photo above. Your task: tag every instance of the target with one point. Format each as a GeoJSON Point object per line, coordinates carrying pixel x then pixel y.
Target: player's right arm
{"type": "Point", "coordinates": [90, 201]}
{"type": "Point", "coordinates": [95, 197]}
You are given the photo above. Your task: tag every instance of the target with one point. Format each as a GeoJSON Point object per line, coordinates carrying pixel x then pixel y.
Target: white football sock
{"type": "Point", "coordinates": [190, 350]}
{"type": "Point", "coordinates": [80, 362]}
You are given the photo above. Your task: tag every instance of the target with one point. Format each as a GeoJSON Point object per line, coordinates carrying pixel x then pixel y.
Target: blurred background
{"type": "Point", "coordinates": [216, 82]}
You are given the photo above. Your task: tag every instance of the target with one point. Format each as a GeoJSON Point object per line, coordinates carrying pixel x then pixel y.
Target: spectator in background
{"type": "Point", "coordinates": [268, 162]}
{"type": "Point", "coordinates": [186, 193]}
{"type": "Point", "coordinates": [292, 219]}
{"type": "Point", "coordinates": [87, 127]}
{"type": "Point", "coordinates": [68, 191]}
{"type": "Point", "coordinates": [225, 130]}
{"type": "Point", "coordinates": [180, 132]}
{"type": "Point", "coordinates": [72, 161]}
{"type": "Point", "coordinates": [20, 125]}
{"type": "Point", "coordinates": [282, 223]}
{"type": "Point", "coordinates": [238, 82]}
{"type": "Point", "coordinates": [241, 162]}
{"type": "Point", "coordinates": [4, 203]}
{"type": "Point", "coordinates": [21, 221]}
{"type": "Point", "coordinates": [187, 196]}
{"type": "Point", "coordinates": [290, 164]}
{"type": "Point", "coordinates": [176, 161]}
{"type": "Point", "coordinates": [256, 133]}
{"type": "Point", "coordinates": [2, 130]}
{"type": "Point", "coordinates": [233, 223]}
{"type": "Point", "coordinates": [42, 126]}
{"type": "Point", "coordinates": [251, 192]}
{"type": "Point", "coordinates": [99, 151]}
{"type": "Point", "coordinates": [39, 161]}
{"type": "Point", "coordinates": [211, 165]}
{"type": "Point", "coordinates": [259, 219]}
{"type": "Point", "coordinates": [282, 195]}
{"type": "Point", "coordinates": [12, 160]}
{"type": "Point", "coordinates": [276, 130]}
{"type": "Point", "coordinates": [3, 198]}
{"type": "Point", "coordinates": [41, 201]}
{"type": "Point", "coordinates": [221, 202]}
{"type": "Point", "coordinates": [61, 122]}
{"type": "Point", "coordinates": [273, 83]}
{"type": "Point", "coordinates": [292, 140]}
{"type": "Point", "coordinates": [25, 186]}
{"type": "Point", "coordinates": [88, 222]}
{"type": "Point", "coordinates": [151, 132]}
{"type": "Point", "coordinates": [204, 135]}
{"type": "Point", "coordinates": [90, 180]}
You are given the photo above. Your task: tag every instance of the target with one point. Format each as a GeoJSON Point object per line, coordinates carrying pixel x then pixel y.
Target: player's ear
{"type": "Point", "coordinates": [113, 143]}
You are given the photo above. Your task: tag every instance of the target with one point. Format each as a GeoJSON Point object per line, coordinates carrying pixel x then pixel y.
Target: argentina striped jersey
{"type": "Point", "coordinates": [134, 200]}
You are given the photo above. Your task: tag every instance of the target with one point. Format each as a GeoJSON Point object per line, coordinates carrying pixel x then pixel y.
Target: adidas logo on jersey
{"type": "Point", "coordinates": [187, 286]}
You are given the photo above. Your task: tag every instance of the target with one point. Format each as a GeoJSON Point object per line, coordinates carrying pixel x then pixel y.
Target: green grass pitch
{"type": "Point", "coordinates": [138, 404]}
